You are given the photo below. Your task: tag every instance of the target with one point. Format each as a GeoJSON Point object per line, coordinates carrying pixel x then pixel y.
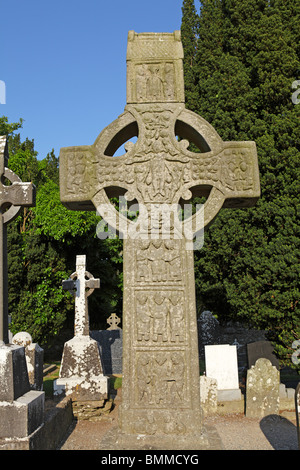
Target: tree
{"type": "Point", "coordinates": [248, 57]}
{"type": "Point", "coordinates": [43, 242]}
{"type": "Point", "coordinates": [8, 129]}
{"type": "Point", "coordinates": [189, 38]}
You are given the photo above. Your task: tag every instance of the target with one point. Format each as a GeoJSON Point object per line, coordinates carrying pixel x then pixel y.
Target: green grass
{"type": "Point", "coordinates": [115, 382]}
{"type": "Point", "coordinates": [48, 381]}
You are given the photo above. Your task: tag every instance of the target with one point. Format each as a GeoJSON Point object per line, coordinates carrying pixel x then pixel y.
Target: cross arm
{"type": "Point", "coordinates": [233, 171]}
{"type": "Point", "coordinates": [85, 170]}
{"type": "Point", "coordinates": [69, 285]}
{"type": "Point", "coordinates": [16, 195]}
{"type": "Point", "coordinates": [93, 283]}
{"type": "Point", "coordinates": [83, 173]}
{"type": "Point", "coordinates": [229, 179]}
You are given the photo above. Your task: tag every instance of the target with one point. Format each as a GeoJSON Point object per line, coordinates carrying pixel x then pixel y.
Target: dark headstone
{"type": "Point", "coordinates": [111, 349]}
{"type": "Point", "coordinates": [261, 349]}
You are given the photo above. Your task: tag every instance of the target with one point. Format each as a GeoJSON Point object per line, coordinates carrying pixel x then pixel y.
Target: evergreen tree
{"type": "Point", "coordinates": [247, 59]}
{"type": "Point", "coordinates": [43, 242]}
{"type": "Point", "coordinates": [189, 38]}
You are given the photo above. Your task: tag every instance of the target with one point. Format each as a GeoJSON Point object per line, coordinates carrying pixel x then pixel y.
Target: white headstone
{"type": "Point", "coordinates": [221, 364]}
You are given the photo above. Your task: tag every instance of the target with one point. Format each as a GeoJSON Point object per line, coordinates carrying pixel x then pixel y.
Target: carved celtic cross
{"type": "Point", "coordinates": [160, 351]}
{"type": "Point", "coordinates": [12, 198]}
{"type": "Point", "coordinates": [81, 284]}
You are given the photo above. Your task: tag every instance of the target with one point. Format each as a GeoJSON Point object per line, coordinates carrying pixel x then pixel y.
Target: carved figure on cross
{"type": "Point", "coordinates": [12, 198]}
{"type": "Point", "coordinates": [81, 284]}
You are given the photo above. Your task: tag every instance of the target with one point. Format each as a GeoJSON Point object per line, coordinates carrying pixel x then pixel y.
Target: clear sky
{"type": "Point", "coordinates": [64, 63]}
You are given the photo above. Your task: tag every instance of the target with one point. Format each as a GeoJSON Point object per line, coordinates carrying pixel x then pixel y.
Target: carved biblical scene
{"type": "Point", "coordinates": [160, 167]}
{"type": "Point", "coordinates": [160, 317]}
{"type": "Point", "coordinates": [154, 82]}
{"type": "Point", "coordinates": [80, 177]}
{"type": "Point", "coordinates": [158, 261]}
{"type": "Point", "coordinates": [161, 379]}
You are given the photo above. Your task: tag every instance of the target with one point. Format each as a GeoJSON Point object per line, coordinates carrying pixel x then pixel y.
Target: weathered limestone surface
{"type": "Point", "coordinates": [262, 389]}
{"type": "Point", "coordinates": [160, 392]}
{"type": "Point", "coordinates": [34, 359]}
{"type": "Point", "coordinates": [21, 409]}
{"type": "Point", "coordinates": [81, 373]}
{"type": "Point", "coordinates": [208, 395]}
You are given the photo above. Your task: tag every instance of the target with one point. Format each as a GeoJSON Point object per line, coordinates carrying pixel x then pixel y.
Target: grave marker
{"type": "Point", "coordinates": [160, 391]}
{"type": "Point", "coordinates": [221, 364]}
{"type": "Point", "coordinates": [34, 359]}
{"type": "Point", "coordinates": [113, 322]}
{"type": "Point", "coordinates": [262, 389]}
{"type": "Point", "coordinates": [260, 349]}
{"type": "Point", "coordinates": [81, 373]}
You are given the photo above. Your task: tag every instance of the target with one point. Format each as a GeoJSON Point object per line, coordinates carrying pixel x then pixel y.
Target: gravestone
{"type": "Point", "coordinates": [221, 364]}
{"type": "Point", "coordinates": [262, 389]}
{"type": "Point", "coordinates": [21, 409]}
{"type": "Point", "coordinates": [260, 349]}
{"type": "Point", "coordinates": [34, 359]}
{"type": "Point", "coordinates": [160, 389]}
{"type": "Point", "coordinates": [111, 345]}
{"type": "Point", "coordinates": [208, 330]}
{"type": "Point", "coordinates": [208, 395]}
{"type": "Point", "coordinates": [81, 374]}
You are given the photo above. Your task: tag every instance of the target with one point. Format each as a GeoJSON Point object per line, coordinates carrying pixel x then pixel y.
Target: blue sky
{"type": "Point", "coordinates": [64, 63]}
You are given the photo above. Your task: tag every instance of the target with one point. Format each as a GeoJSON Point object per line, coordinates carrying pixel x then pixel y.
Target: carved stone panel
{"type": "Point", "coordinates": [161, 379]}
{"type": "Point", "coordinates": [158, 261]}
{"type": "Point", "coordinates": [160, 317]}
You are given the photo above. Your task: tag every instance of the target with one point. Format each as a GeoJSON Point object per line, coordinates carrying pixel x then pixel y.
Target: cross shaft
{"type": "Point", "coordinates": [81, 284]}
{"type": "Point", "coordinates": [12, 198]}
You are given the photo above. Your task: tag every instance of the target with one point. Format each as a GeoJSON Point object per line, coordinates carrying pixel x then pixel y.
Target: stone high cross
{"type": "Point", "coordinates": [160, 390]}
{"type": "Point", "coordinates": [81, 284]}
{"type": "Point", "coordinates": [12, 198]}
{"type": "Point", "coordinates": [81, 373]}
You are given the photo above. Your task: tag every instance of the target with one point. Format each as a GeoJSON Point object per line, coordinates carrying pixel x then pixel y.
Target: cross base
{"type": "Point", "coordinates": [81, 373]}
{"type": "Point", "coordinates": [207, 439]}
{"type": "Point", "coordinates": [175, 422]}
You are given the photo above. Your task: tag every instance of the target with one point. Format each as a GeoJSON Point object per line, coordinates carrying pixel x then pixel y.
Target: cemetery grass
{"type": "Point", "coordinates": [49, 379]}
